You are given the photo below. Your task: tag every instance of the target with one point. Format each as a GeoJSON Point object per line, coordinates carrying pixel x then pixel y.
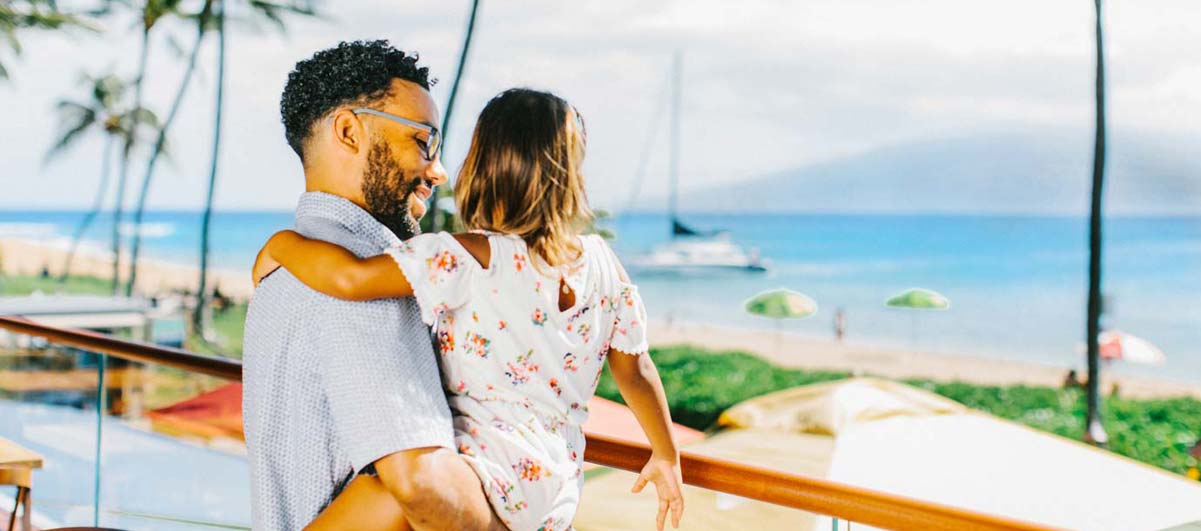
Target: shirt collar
{"type": "Point", "coordinates": [342, 211]}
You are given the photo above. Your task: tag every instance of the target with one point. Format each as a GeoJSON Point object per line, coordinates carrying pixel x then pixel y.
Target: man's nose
{"type": "Point", "coordinates": [436, 173]}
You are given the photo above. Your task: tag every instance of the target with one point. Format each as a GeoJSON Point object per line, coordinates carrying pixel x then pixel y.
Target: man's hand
{"type": "Point", "coordinates": [664, 472]}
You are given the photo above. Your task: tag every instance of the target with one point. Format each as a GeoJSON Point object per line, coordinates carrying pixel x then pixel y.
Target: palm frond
{"type": "Point", "coordinates": [80, 123]}
{"type": "Point", "coordinates": [274, 13]}
{"type": "Point", "coordinates": [146, 117]}
{"type": "Point", "coordinates": [11, 36]}
{"type": "Point", "coordinates": [109, 90]}
{"type": "Point", "coordinates": [68, 108]}
{"type": "Point", "coordinates": [40, 16]}
{"type": "Point", "coordinates": [155, 10]}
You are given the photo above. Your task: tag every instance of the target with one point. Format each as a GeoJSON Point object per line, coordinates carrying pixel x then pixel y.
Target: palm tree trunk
{"type": "Point", "coordinates": [140, 210]}
{"type": "Point", "coordinates": [97, 206]}
{"type": "Point", "coordinates": [1094, 431]}
{"type": "Point", "coordinates": [198, 321]}
{"type": "Point", "coordinates": [126, 151]}
{"type": "Point", "coordinates": [434, 212]}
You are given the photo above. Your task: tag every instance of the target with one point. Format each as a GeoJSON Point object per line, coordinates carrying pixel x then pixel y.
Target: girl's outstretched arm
{"type": "Point", "coordinates": [331, 269]}
{"type": "Point", "coordinates": [638, 380]}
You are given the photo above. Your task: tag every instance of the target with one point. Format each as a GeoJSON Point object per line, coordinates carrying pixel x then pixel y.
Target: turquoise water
{"type": "Point", "coordinates": [1017, 283]}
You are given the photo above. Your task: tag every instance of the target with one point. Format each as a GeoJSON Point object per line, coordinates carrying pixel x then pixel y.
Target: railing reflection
{"type": "Point", "coordinates": [119, 447]}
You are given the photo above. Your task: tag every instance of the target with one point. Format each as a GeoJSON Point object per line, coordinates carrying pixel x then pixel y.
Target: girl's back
{"type": "Point", "coordinates": [502, 331]}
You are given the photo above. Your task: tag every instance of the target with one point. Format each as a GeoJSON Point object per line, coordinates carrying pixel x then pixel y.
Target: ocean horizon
{"type": "Point", "coordinates": [1017, 282]}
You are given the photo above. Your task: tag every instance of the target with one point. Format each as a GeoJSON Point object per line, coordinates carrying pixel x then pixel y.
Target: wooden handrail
{"type": "Point", "coordinates": [864, 506]}
{"type": "Point", "coordinates": [125, 349]}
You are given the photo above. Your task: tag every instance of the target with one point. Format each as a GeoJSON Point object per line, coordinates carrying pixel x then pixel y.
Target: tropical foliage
{"type": "Point", "coordinates": [31, 14]}
{"type": "Point", "coordinates": [106, 112]}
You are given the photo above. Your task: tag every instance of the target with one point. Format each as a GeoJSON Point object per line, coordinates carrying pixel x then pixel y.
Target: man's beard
{"type": "Point", "coordinates": [387, 192]}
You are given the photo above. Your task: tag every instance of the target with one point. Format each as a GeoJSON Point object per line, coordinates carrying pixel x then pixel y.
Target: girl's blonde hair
{"type": "Point", "coordinates": [523, 174]}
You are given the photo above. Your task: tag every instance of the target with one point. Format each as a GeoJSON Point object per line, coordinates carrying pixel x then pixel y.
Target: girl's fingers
{"type": "Point", "coordinates": [662, 514]}
{"type": "Point", "coordinates": [639, 484]}
{"type": "Point", "coordinates": [677, 510]}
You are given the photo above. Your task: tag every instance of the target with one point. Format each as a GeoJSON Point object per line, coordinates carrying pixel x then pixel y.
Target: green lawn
{"type": "Point", "coordinates": [27, 284]}
{"type": "Point", "coordinates": [228, 325]}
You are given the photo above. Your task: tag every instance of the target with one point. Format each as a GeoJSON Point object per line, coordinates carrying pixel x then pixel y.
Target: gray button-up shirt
{"type": "Point", "coordinates": [332, 385]}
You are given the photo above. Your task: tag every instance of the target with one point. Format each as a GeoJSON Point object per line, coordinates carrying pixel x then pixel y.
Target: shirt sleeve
{"type": "Point", "coordinates": [629, 329]}
{"type": "Point", "coordinates": [440, 271]}
{"type": "Point", "coordinates": [380, 378]}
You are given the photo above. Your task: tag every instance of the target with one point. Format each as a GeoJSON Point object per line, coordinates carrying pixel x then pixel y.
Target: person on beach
{"type": "Point", "coordinates": [840, 324]}
{"type": "Point", "coordinates": [527, 309]}
{"type": "Point", "coordinates": [332, 387]}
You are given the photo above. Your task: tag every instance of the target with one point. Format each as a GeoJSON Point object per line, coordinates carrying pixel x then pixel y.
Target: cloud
{"type": "Point", "coordinates": [768, 85]}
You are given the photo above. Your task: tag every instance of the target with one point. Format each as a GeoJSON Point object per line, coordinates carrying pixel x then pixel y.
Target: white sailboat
{"type": "Point", "coordinates": [690, 250]}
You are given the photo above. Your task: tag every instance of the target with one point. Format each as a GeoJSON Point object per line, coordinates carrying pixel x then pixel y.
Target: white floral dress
{"type": "Point", "coordinates": [518, 372]}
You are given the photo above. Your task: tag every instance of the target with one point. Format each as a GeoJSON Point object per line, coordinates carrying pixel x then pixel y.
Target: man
{"type": "Point", "coordinates": [336, 388]}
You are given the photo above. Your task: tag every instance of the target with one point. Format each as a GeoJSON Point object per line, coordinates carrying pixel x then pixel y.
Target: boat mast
{"type": "Point", "coordinates": [676, 73]}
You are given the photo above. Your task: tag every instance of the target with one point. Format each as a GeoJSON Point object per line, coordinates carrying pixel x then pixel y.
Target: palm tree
{"type": "Point", "coordinates": [203, 19]}
{"type": "Point", "coordinates": [272, 12]}
{"type": "Point", "coordinates": [152, 12]}
{"type": "Point", "coordinates": [102, 111]}
{"type": "Point", "coordinates": [1094, 432]}
{"type": "Point", "coordinates": [31, 14]}
{"type": "Point", "coordinates": [199, 312]}
{"type": "Point", "coordinates": [435, 214]}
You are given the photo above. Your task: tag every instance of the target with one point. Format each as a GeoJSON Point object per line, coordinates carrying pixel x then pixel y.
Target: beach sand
{"type": "Point", "coordinates": [787, 350]}
{"type": "Point", "coordinates": [22, 257]}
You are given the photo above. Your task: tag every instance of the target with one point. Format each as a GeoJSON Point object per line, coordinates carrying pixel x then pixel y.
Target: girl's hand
{"type": "Point", "coordinates": [664, 472]}
{"type": "Point", "coordinates": [264, 263]}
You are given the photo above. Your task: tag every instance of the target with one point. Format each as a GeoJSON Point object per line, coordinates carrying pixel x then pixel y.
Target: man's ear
{"type": "Point", "coordinates": [347, 131]}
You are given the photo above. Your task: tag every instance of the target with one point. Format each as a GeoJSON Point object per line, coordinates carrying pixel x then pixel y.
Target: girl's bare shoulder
{"type": "Point", "coordinates": [476, 244]}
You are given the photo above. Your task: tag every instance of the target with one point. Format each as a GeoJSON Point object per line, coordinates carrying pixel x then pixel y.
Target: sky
{"type": "Point", "coordinates": [769, 86]}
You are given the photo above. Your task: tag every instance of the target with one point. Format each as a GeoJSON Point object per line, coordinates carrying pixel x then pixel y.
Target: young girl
{"type": "Point", "coordinates": [525, 309]}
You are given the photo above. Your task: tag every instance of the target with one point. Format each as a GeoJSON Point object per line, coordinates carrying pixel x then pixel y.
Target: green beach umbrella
{"type": "Point", "coordinates": [919, 299]}
{"type": "Point", "coordinates": [780, 304]}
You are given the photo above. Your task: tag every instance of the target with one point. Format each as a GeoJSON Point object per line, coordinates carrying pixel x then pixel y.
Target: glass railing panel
{"type": "Point", "coordinates": [608, 505]}
{"type": "Point", "coordinates": [49, 402]}
{"type": "Point", "coordinates": [173, 454]}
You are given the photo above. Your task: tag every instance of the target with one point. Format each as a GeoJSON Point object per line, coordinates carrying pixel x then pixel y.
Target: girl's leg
{"type": "Point", "coordinates": [364, 504]}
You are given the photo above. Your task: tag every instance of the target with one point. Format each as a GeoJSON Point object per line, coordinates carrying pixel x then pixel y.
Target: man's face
{"type": "Point", "coordinates": [398, 179]}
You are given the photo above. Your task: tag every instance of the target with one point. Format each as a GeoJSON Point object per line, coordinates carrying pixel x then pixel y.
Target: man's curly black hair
{"type": "Point", "coordinates": [358, 72]}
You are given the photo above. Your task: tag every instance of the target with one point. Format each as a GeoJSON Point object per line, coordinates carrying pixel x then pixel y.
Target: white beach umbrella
{"type": "Point", "coordinates": [1116, 345]}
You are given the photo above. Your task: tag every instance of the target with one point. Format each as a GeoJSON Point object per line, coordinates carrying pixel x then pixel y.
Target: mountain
{"type": "Point", "coordinates": [995, 173]}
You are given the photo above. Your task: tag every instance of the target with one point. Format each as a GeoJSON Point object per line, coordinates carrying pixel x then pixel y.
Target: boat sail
{"type": "Point", "coordinates": [692, 250]}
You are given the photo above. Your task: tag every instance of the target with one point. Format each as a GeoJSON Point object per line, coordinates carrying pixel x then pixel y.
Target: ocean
{"type": "Point", "coordinates": [1017, 283]}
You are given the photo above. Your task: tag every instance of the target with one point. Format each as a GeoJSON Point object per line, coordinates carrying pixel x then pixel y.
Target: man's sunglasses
{"type": "Point", "coordinates": [431, 146]}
